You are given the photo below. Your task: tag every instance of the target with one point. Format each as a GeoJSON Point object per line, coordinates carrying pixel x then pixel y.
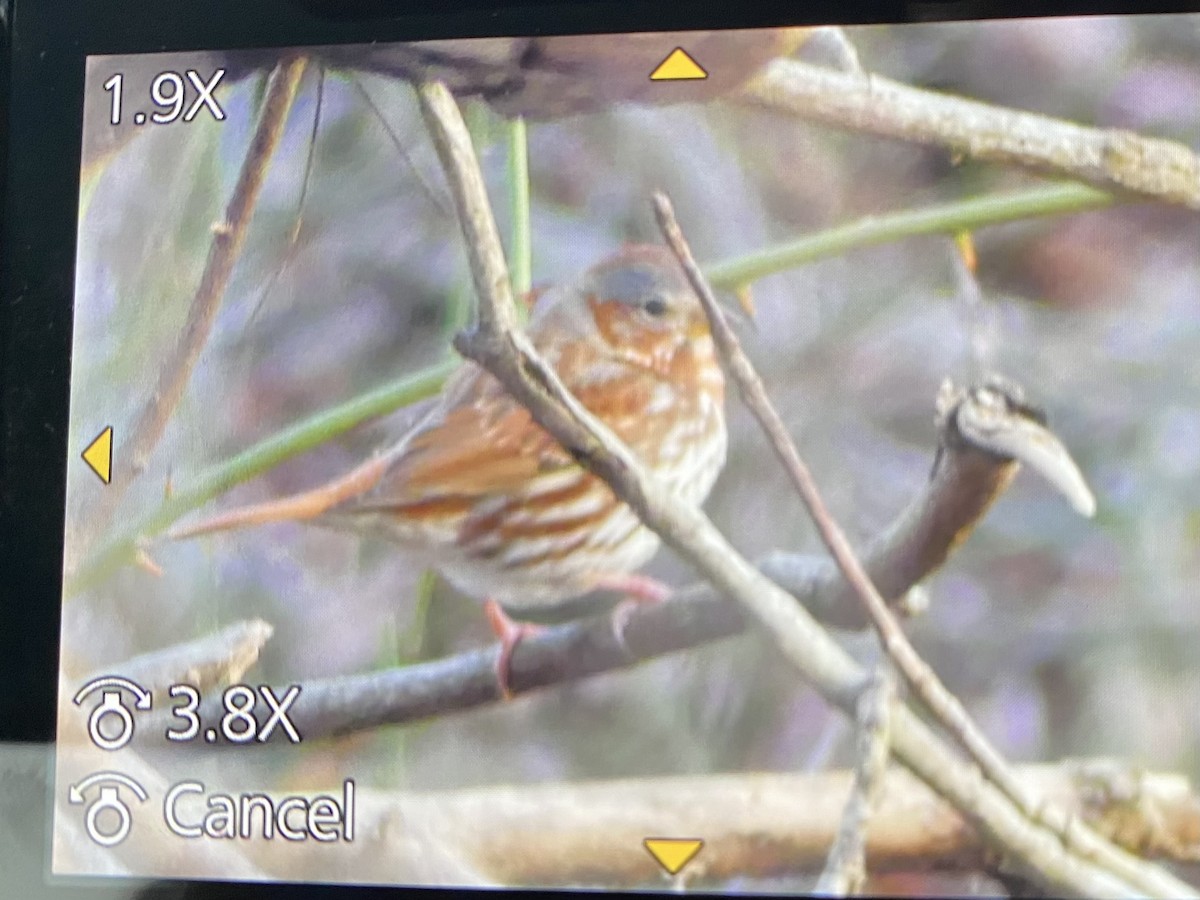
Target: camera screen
{"type": "Point", "coordinates": [341, 605]}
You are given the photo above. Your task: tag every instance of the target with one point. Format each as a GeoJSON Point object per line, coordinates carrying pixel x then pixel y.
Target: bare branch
{"type": "Point", "coordinates": [964, 481]}
{"type": "Point", "coordinates": [1112, 159]}
{"type": "Point", "coordinates": [754, 825]}
{"type": "Point", "coordinates": [215, 659]}
{"type": "Point", "coordinates": [489, 270]}
{"type": "Point", "coordinates": [845, 870]}
{"type": "Point", "coordinates": [228, 237]}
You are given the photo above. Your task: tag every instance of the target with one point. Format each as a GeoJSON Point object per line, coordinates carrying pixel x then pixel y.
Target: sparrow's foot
{"type": "Point", "coordinates": [510, 634]}
{"type": "Point", "coordinates": [639, 591]}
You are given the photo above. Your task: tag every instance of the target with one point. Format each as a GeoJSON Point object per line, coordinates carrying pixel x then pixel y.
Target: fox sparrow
{"type": "Point", "coordinates": [493, 502]}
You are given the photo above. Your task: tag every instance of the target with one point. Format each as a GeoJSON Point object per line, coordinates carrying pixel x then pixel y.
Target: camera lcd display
{"type": "Point", "coordinates": [338, 607]}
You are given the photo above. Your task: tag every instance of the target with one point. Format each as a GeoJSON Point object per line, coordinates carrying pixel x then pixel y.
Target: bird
{"type": "Point", "coordinates": [477, 490]}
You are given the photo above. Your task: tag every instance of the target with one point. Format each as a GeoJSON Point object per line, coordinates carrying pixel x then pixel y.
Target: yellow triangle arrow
{"type": "Point", "coordinates": [678, 66]}
{"type": "Point", "coordinates": [98, 455]}
{"type": "Point", "coordinates": [673, 853]}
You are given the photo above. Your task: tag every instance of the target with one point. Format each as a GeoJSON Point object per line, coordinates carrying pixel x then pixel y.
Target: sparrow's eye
{"type": "Point", "coordinates": [656, 306]}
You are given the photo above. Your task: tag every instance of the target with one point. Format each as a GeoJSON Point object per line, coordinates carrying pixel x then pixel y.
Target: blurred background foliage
{"type": "Point", "coordinates": [1062, 636]}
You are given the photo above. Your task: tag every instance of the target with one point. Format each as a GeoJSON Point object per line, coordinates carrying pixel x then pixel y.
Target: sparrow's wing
{"type": "Point", "coordinates": [486, 443]}
{"type": "Point", "coordinates": [476, 442]}
{"type": "Point", "coordinates": [343, 492]}
{"type": "Point", "coordinates": [486, 446]}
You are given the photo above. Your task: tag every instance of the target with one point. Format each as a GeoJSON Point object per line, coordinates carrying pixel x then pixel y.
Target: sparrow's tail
{"type": "Point", "coordinates": [298, 507]}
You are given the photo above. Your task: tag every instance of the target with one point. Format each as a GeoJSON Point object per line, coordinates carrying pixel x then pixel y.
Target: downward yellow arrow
{"type": "Point", "coordinates": [673, 853]}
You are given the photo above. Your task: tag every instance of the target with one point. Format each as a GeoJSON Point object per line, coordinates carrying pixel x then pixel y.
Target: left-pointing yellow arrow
{"type": "Point", "coordinates": [98, 455]}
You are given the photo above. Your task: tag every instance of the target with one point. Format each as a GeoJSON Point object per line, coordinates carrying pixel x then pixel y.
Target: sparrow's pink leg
{"type": "Point", "coordinates": [510, 634]}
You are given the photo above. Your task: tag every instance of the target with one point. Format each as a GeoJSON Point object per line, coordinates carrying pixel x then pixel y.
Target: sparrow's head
{"type": "Point", "coordinates": [639, 306]}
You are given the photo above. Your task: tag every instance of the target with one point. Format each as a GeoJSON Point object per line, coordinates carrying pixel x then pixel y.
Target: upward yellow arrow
{"type": "Point", "coordinates": [678, 66]}
{"type": "Point", "coordinates": [98, 455]}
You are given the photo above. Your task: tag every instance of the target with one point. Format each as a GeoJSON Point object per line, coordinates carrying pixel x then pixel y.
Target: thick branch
{"type": "Point", "coordinates": [762, 825]}
{"type": "Point", "coordinates": [964, 482]}
{"type": "Point", "coordinates": [1108, 158]}
{"type": "Point", "coordinates": [755, 825]}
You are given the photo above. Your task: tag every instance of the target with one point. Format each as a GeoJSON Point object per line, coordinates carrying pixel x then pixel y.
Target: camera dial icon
{"type": "Point", "coordinates": [112, 711]}
{"type": "Point", "coordinates": [103, 831]}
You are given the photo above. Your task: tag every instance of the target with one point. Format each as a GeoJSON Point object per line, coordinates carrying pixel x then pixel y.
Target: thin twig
{"type": "Point", "coordinates": [293, 239]}
{"type": "Point", "coordinates": [937, 218]}
{"type": "Point", "coordinates": [521, 252]}
{"type": "Point", "coordinates": [754, 394]}
{"type": "Point", "coordinates": [924, 682]}
{"type": "Point", "coordinates": [915, 671]}
{"type": "Point", "coordinates": [228, 236]}
{"type": "Point", "coordinates": [845, 869]}
{"type": "Point", "coordinates": [1112, 159]}
{"type": "Point", "coordinates": [509, 356]}
{"type": "Point", "coordinates": [435, 196]}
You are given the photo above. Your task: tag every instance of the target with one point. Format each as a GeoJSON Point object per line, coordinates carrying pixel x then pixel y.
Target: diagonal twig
{"type": "Point", "coordinates": [292, 246]}
{"type": "Point", "coordinates": [228, 237]}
